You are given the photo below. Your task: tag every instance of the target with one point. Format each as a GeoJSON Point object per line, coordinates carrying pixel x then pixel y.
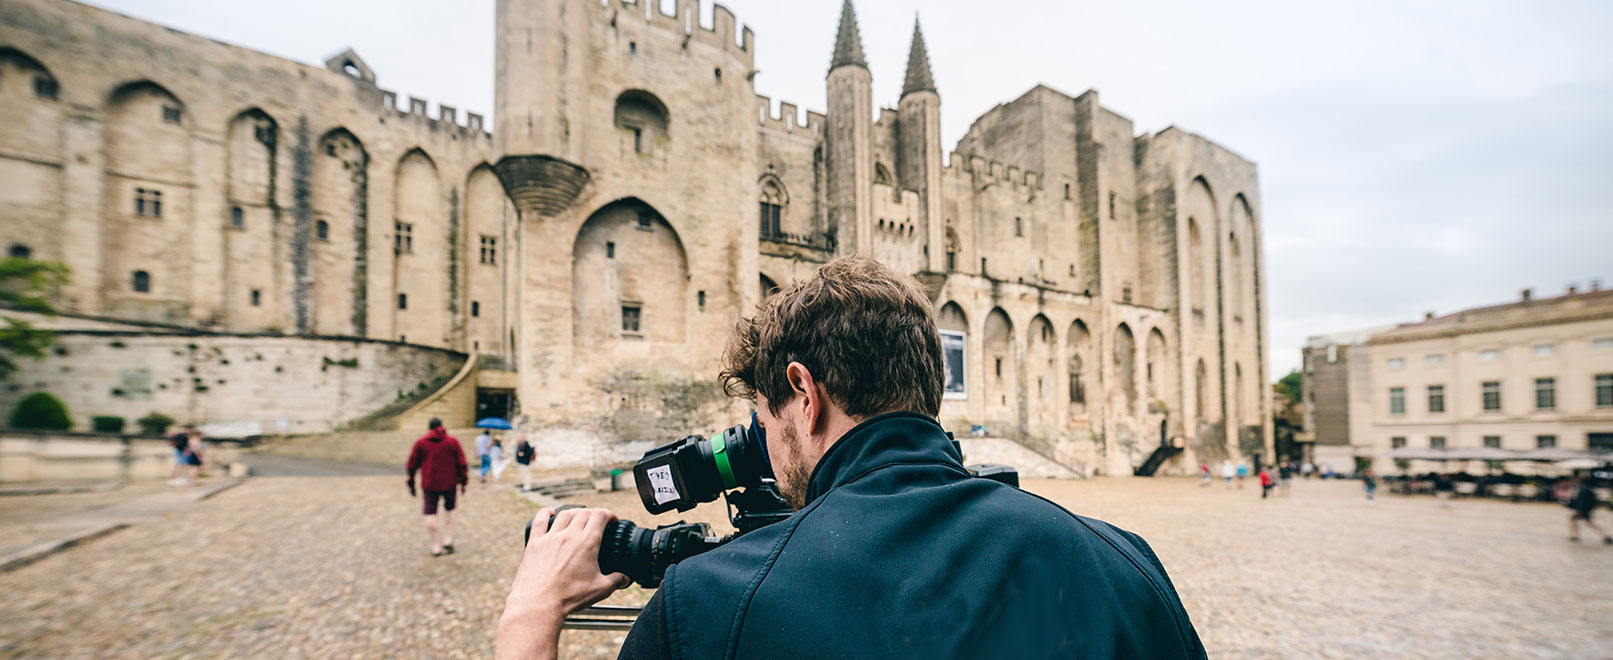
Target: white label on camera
{"type": "Point", "coordinates": [661, 483]}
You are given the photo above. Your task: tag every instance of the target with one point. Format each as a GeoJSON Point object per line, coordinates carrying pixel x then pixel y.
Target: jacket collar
{"type": "Point", "coordinates": [888, 439]}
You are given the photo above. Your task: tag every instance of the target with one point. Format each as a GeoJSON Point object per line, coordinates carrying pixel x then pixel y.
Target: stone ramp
{"type": "Point", "coordinates": [45, 538]}
{"type": "Point", "coordinates": [1002, 451]}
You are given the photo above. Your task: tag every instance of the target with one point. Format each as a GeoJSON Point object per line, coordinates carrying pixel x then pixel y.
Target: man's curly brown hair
{"type": "Point", "coordinates": [865, 332]}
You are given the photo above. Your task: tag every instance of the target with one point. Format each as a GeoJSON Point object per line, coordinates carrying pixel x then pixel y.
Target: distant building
{"type": "Point", "coordinates": [1101, 289]}
{"type": "Point", "coordinates": [1530, 374]}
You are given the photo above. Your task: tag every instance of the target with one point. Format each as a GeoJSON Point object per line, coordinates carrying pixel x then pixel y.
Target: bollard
{"type": "Point", "coordinates": [615, 480]}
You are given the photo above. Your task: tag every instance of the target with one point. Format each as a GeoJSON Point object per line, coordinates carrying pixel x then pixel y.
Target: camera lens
{"type": "Point", "coordinates": [644, 554]}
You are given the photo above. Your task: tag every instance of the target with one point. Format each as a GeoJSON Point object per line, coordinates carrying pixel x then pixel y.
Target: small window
{"type": "Point", "coordinates": [172, 114]}
{"type": "Point", "coordinates": [1125, 295]}
{"type": "Point", "coordinates": [322, 230]}
{"type": "Point", "coordinates": [1437, 358]}
{"type": "Point", "coordinates": [1489, 355]}
{"type": "Point", "coordinates": [1544, 350]}
{"type": "Point", "coordinates": [20, 251]}
{"type": "Point", "coordinates": [646, 220]}
{"type": "Point", "coordinates": [490, 250]}
{"type": "Point", "coordinates": [237, 217]}
{"type": "Point", "coordinates": [1545, 394]}
{"type": "Point", "coordinates": [46, 87]}
{"type": "Point", "coordinates": [1492, 441]}
{"type": "Point", "coordinates": [630, 318]}
{"type": "Point", "coordinates": [952, 261]}
{"type": "Point", "coordinates": [700, 297]}
{"type": "Point", "coordinates": [1396, 363]}
{"type": "Point", "coordinates": [1019, 227]}
{"type": "Point", "coordinates": [403, 301]}
{"type": "Point", "coordinates": [983, 267]}
{"type": "Point", "coordinates": [257, 298]}
{"type": "Point", "coordinates": [1604, 390]}
{"type": "Point", "coordinates": [475, 308]}
{"type": "Point", "coordinates": [632, 47]}
{"type": "Point", "coordinates": [1602, 344]}
{"type": "Point", "coordinates": [402, 238]}
{"type": "Point", "coordinates": [1397, 400]}
{"type": "Point", "coordinates": [1397, 442]}
{"type": "Point", "coordinates": [148, 202]}
{"type": "Point", "coordinates": [263, 133]}
{"type": "Point", "coordinates": [1072, 270]}
{"type": "Point", "coordinates": [718, 74]}
{"type": "Point", "coordinates": [1333, 353]}
{"type": "Point", "coordinates": [142, 282]}
{"type": "Point", "coordinates": [610, 250]}
{"type": "Point", "coordinates": [1490, 391]}
{"type": "Point", "coordinates": [999, 367]}
{"type": "Point", "coordinates": [1436, 398]}
{"type": "Point", "coordinates": [1545, 442]}
{"type": "Point", "coordinates": [1112, 206]}
{"type": "Point", "coordinates": [1066, 191]}
{"type": "Point", "coordinates": [1436, 442]}
{"type": "Point", "coordinates": [638, 140]}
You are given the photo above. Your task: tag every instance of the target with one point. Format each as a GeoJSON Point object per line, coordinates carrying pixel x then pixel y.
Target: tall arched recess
{"type": "Point", "coordinates": [31, 117]}
{"type": "Point", "coordinates": [1079, 369]}
{"type": "Point", "coordinates": [1001, 386]}
{"type": "Point", "coordinates": [1041, 371]}
{"type": "Point", "coordinates": [341, 235]}
{"type": "Point", "coordinates": [1125, 365]}
{"type": "Point", "coordinates": [250, 222]}
{"type": "Point", "coordinates": [147, 198]}
{"type": "Point", "coordinates": [630, 285]}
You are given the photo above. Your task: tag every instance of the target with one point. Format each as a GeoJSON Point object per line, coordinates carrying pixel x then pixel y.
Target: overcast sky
{"type": "Point", "coordinates": [1414, 156]}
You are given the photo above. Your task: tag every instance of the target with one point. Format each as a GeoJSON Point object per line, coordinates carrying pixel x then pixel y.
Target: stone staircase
{"type": "Point", "coordinates": [386, 417]}
{"type": "Point", "coordinates": [563, 488]}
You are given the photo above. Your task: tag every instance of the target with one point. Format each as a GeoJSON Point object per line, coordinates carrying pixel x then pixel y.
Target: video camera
{"type": "Point", "coordinates": [684, 474]}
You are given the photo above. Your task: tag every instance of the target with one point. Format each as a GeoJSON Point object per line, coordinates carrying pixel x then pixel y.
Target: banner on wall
{"type": "Point", "coordinates": [952, 358]}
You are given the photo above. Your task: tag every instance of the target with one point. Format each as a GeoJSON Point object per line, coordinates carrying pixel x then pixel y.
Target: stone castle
{"type": "Point", "coordinates": [1102, 290]}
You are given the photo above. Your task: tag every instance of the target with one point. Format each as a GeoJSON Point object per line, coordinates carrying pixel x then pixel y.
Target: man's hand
{"type": "Point", "coordinates": [411, 489]}
{"type": "Point", "coordinates": [559, 574]}
{"type": "Point", "coordinates": [462, 489]}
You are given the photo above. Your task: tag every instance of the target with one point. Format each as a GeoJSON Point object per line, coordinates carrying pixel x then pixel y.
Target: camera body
{"type": "Point", "coordinates": [684, 474]}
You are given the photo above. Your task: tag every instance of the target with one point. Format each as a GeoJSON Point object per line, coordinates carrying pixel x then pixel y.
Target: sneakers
{"type": "Point", "coordinates": [448, 548]}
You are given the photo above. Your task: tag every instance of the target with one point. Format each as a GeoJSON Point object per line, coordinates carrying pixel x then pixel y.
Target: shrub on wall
{"type": "Point", "coordinates": [155, 424]}
{"type": "Point", "coordinates": [106, 424]}
{"type": "Point", "coordinates": [41, 410]}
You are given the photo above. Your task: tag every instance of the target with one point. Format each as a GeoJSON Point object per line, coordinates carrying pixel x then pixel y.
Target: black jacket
{"type": "Point", "coordinates": [899, 553]}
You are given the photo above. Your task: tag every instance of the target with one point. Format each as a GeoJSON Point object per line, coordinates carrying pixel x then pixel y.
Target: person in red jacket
{"type": "Point", "coordinates": [1265, 483]}
{"type": "Point", "coordinates": [441, 463]}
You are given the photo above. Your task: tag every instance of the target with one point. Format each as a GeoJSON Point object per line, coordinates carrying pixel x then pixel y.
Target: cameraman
{"type": "Point", "coordinates": [894, 550]}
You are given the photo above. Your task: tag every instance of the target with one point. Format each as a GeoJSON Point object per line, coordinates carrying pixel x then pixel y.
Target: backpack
{"type": "Point", "coordinates": [524, 452]}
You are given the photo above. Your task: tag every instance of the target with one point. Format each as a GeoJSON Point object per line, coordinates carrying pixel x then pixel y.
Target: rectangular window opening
{"type": "Point", "coordinates": [1545, 393]}
{"type": "Point", "coordinates": [172, 114]}
{"type": "Point", "coordinates": [1492, 441]}
{"type": "Point", "coordinates": [1545, 442]}
{"type": "Point", "coordinates": [1397, 400]}
{"type": "Point", "coordinates": [1436, 442]}
{"type": "Point", "coordinates": [1491, 393]}
{"type": "Point", "coordinates": [257, 297]}
{"type": "Point", "coordinates": [610, 250]}
{"type": "Point", "coordinates": [475, 308]}
{"type": "Point", "coordinates": [630, 318]}
{"type": "Point", "coordinates": [700, 297]}
{"type": "Point", "coordinates": [1397, 442]}
{"type": "Point", "coordinates": [1604, 390]}
{"type": "Point", "coordinates": [1436, 398]}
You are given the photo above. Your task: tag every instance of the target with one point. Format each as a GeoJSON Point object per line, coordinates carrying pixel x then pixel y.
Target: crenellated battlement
{"type": "Point", "coordinates": [721, 34]}
{"type": "Point", "coordinates": [787, 119]}
{"type": "Point", "coordinates": [447, 115]}
{"type": "Point", "coordinates": [987, 172]}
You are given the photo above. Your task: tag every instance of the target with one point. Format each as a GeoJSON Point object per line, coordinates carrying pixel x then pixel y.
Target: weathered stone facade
{"type": "Point", "coordinates": [1109, 286]}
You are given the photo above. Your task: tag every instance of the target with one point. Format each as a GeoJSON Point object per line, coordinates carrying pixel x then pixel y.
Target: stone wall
{"type": "Point", "coordinates": [268, 384]}
{"type": "Point", "coordinates": [27, 456]}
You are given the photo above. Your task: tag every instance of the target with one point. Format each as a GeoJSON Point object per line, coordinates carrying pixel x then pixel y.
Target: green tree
{"type": "Point", "coordinates": [1291, 386]}
{"type": "Point", "coordinates": [41, 410]}
{"type": "Point", "coordinates": [26, 285]}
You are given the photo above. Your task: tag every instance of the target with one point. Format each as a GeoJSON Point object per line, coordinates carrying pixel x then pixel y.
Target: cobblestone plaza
{"type": "Point", "coordinates": [337, 567]}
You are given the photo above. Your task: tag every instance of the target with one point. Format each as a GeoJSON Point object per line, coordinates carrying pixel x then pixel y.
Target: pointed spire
{"type": "Point", "coordinates": [848, 43]}
{"type": "Point", "coordinates": [918, 65]}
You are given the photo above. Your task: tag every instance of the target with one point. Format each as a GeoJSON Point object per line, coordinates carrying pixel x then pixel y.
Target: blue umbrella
{"type": "Point", "coordinates": [493, 423]}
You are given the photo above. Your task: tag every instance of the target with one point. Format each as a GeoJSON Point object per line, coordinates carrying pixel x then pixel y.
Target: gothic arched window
{"type": "Point", "coordinates": [773, 201]}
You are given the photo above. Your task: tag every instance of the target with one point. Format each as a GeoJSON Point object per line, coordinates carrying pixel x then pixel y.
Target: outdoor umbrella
{"type": "Point", "coordinates": [1419, 453]}
{"type": "Point", "coordinates": [1580, 464]}
{"type": "Point", "coordinates": [1483, 454]}
{"type": "Point", "coordinates": [493, 423]}
{"type": "Point", "coordinates": [1552, 455]}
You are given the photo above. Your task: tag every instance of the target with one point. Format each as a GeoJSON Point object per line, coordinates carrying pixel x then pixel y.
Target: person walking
{"type": "Point", "coordinates": [1443, 489]}
{"type": "Point", "coordinates": [483, 443]}
{"type": "Point", "coordinates": [440, 461]}
{"type": "Point", "coordinates": [1243, 473]}
{"type": "Point", "coordinates": [180, 442]}
{"type": "Point", "coordinates": [524, 453]}
{"type": "Point", "coordinates": [495, 455]}
{"type": "Point", "coordinates": [195, 453]}
{"type": "Point", "coordinates": [1228, 472]}
{"type": "Point", "coordinates": [1583, 503]}
{"type": "Point", "coordinates": [1204, 474]}
{"type": "Point", "coordinates": [1369, 480]}
{"type": "Point", "coordinates": [1285, 478]}
{"type": "Point", "coordinates": [1265, 482]}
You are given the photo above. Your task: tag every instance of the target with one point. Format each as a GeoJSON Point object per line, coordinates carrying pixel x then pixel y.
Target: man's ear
{"type": "Point", "coordinates": [808, 392]}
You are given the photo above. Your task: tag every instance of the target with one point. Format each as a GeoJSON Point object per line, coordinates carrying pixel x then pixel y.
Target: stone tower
{"type": "Point", "coordinates": [849, 138]}
{"type": "Point", "coordinates": [540, 81]}
{"type": "Point", "coordinates": [918, 156]}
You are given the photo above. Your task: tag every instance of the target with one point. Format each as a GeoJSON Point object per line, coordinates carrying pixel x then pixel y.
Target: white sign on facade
{"type": "Point", "coordinates": [952, 358]}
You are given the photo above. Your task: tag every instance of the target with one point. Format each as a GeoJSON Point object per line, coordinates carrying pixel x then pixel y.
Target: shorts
{"type": "Point", "coordinates": [192, 459]}
{"type": "Point", "coordinates": [430, 507]}
{"type": "Point", "coordinates": [487, 463]}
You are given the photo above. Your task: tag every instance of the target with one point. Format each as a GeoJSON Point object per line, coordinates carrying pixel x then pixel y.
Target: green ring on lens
{"type": "Point", "coordinates": [719, 453]}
